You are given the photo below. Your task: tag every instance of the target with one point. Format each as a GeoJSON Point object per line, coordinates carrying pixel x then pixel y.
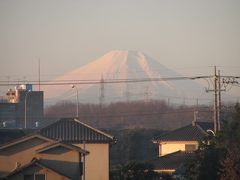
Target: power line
{"type": "Point", "coordinates": [68, 82]}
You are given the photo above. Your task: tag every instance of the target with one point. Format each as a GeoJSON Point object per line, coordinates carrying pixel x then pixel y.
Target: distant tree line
{"type": "Point", "coordinates": [154, 114]}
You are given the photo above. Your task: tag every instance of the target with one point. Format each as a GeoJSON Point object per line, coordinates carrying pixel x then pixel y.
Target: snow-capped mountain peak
{"type": "Point", "coordinates": [119, 64]}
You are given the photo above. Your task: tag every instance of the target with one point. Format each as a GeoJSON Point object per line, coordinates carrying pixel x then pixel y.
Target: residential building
{"type": "Point", "coordinates": [55, 160]}
{"type": "Point", "coordinates": [58, 152]}
{"type": "Point", "coordinates": [177, 146]}
{"type": "Point", "coordinates": [70, 130]}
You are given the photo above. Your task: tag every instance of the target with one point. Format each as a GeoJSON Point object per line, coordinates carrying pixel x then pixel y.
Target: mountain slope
{"type": "Point", "coordinates": [119, 64]}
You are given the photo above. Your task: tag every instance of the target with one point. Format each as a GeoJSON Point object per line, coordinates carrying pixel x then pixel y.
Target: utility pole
{"type": "Point", "coordinates": [127, 92]}
{"type": "Point", "coordinates": [77, 103]}
{"type": "Point", "coordinates": [194, 118]}
{"type": "Point", "coordinates": [39, 74]}
{"type": "Point", "coordinates": [25, 109]}
{"type": "Point", "coordinates": [215, 100]}
{"type": "Point", "coordinates": [146, 93]}
{"type": "Point", "coordinates": [219, 102]}
{"type": "Point", "coordinates": [101, 98]}
{"type": "Point", "coordinates": [197, 102]}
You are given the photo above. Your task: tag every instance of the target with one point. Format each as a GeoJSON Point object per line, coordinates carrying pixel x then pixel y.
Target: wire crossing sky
{"type": "Point", "coordinates": [188, 36]}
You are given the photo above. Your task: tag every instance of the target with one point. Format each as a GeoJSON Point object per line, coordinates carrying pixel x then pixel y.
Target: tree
{"type": "Point", "coordinates": [218, 158]}
{"type": "Point", "coordinates": [230, 140]}
{"type": "Point", "coordinates": [231, 163]}
{"type": "Point", "coordinates": [205, 164]}
{"type": "Point", "coordinates": [133, 171]}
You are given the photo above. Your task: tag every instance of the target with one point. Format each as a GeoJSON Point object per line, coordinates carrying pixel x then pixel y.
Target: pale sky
{"type": "Point", "coordinates": [188, 35]}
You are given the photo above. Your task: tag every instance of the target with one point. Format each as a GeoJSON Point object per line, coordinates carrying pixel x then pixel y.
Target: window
{"type": "Point", "coordinates": [28, 177]}
{"type": "Point", "coordinates": [35, 177]}
{"type": "Point", "coordinates": [39, 177]}
{"type": "Point", "coordinates": [190, 147]}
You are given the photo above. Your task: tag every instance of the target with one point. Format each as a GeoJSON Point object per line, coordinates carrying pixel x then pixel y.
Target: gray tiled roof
{"type": "Point", "coordinates": [205, 125]}
{"type": "Point", "coordinates": [65, 168]}
{"type": "Point", "coordinates": [7, 135]}
{"type": "Point", "coordinates": [74, 131]}
{"type": "Point", "coordinates": [60, 167]}
{"type": "Point", "coordinates": [187, 133]}
{"type": "Point", "coordinates": [171, 161]}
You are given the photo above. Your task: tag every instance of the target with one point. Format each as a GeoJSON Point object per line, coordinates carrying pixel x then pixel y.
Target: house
{"type": "Point", "coordinates": [69, 130]}
{"type": "Point", "coordinates": [17, 158]}
{"type": "Point", "coordinates": [66, 149]}
{"type": "Point", "coordinates": [178, 146]}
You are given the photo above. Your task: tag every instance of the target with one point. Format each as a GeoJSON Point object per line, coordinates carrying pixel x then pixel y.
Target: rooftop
{"type": "Point", "coordinates": [190, 132]}
{"type": "Point", "coordinates": [72, 130]}
{"type": "Point", "coordinates": [171, 161]}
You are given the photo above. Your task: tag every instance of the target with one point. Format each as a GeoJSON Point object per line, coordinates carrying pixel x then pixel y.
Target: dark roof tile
{"type": "Point", "coordinates": [7, 135]}
{"type": "Point", "coordinates": [74, 131]}
{"type": "Point", "coordinates": [187, 133]}
{"type": "Point", "coordinates": [60, 167]}
{"type": "Point", "coordinates": [171, 161]}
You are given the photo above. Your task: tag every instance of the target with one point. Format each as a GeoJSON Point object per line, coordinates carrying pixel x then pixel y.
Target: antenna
{"type": "Point", "coordinates": [101, 98]}
{"type": "Point", "coordinates": [39, 74]}
{"type": "Point", "coordinates": [147, 93]}
{"type": "Point", "coordinates": [127, 92]}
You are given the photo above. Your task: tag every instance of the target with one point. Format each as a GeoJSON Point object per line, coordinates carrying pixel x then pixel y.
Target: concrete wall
{"type": "Point", "coordinates": [34, 108]}
{"type": "Point", "coordinates": [97, 162]}
{"type": "Point", "coordinates": [170, 147]}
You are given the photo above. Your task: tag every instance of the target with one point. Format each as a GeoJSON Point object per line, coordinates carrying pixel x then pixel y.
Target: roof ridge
{"type": "Point", "coordinates": [175, 130]}
{"type": "Point", "coordinates": [186, 133]}
{"type": "Point", "coordinates": [201, 129]}
{"type": "Point", "coordinates": [74, 130]}
{"type": "Point", "coordinates": [94, 129]}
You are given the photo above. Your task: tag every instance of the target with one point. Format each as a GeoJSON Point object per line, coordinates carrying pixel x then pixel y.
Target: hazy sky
{"type": "Point", "coordinates": [187, 35]}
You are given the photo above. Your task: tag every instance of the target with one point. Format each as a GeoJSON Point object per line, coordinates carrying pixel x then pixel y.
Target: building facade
{"type": "Point", "coordinates": [65, 149]}
{"type": "Point", "coordinates": [22, 108]}
{"type": "Point", "coordinates": [98, 143]}
{"type": "Point", "coordinates": [36, 155]}
{"type": "Point", "coordinates": [176, 147]}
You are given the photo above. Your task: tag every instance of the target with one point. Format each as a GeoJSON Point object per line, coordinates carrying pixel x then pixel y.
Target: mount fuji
{"type": "Point", "coordinates": [124, 65]}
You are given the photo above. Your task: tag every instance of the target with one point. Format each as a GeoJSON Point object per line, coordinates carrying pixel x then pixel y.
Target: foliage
{"type": "Point", "coordinates": [218, 158]}
{"type": "Point", "coordinates": [230, 140]}
{"type": "Point", "coordinates": [133, 145]}
{"type": "Point", "coordinates": [155, 114]}
{"type": "Point", "coordinates": [133, 171]}
{"type": "Point", "coordinates": [231, 164]}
